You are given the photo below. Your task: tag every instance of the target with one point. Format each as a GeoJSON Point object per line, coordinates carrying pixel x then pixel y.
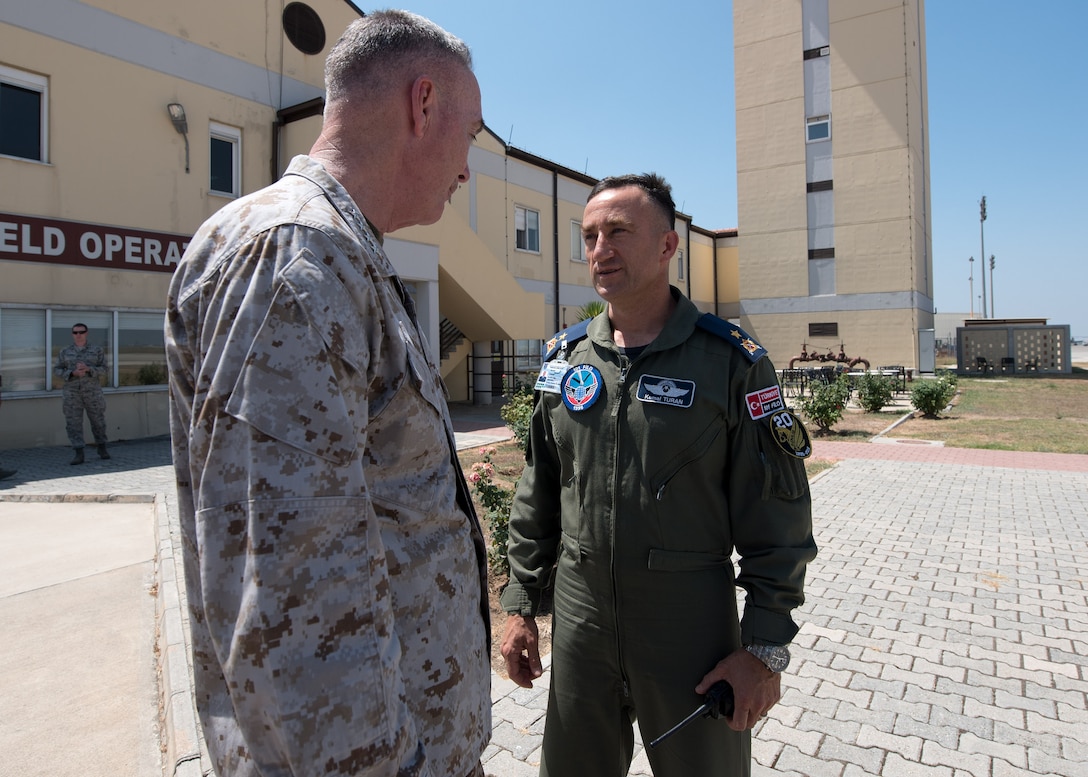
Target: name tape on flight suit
{"type": "Point", "coordinates": [666, 391]}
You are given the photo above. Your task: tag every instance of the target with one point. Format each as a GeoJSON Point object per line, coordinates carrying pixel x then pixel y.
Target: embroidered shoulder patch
{"type": "Point", "coordinates": [764, 402]}
{"type": "Point", "coordinates": [582, 387]}
{"type": "Point", "coordinates": [790, 434]}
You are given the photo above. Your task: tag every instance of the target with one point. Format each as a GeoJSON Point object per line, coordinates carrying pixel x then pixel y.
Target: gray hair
{"type": "Point", "coordinates": [374, 48]}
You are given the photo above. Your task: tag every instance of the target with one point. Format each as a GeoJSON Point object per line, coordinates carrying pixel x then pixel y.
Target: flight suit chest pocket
{"type": "Point", "coordinates": [667, 478]}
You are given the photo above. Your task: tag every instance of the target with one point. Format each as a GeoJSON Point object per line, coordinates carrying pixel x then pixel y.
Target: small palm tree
{"type": "Point", "coordinates": [590, 310]}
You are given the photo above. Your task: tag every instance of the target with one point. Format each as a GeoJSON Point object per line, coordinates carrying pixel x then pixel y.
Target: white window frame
{"type": "Point", "coordinates": [34, 335]}
{"type": "Point", "coordinates": [232, 136]}
{"type": "Point", "coordinates": [817, 121]}
{"type": "Point", "coordinates": [680, 263]}
{"type": "Point", "coordinates": [34, 83]}
{"type": "Point", "coordinates": [521, 213]}
{"type": "Point", "coordinates": [577, 243]}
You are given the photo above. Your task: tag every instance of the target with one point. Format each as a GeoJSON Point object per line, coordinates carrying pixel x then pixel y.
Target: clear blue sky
{"type": "Point", "coordinates": [609, 88]}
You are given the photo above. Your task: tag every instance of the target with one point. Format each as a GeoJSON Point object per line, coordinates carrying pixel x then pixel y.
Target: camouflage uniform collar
{"type": "Point", "coordinates": [309, 168]}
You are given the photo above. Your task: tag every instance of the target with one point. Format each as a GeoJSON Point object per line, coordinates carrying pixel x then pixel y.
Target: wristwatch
{"type": "Point", "coordinates": [775, 657]}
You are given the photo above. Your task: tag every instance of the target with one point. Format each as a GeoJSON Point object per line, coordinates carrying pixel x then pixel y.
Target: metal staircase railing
{"type": "Point", "coordinates": [449, 337]}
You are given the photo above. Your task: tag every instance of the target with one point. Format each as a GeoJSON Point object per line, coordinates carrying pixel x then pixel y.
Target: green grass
{"type": "Point", "coordinates": [1045, 414]}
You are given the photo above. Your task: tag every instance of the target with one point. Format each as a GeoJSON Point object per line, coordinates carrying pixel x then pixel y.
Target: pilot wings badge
{"type": "Point", "coordinates": [666, 391]}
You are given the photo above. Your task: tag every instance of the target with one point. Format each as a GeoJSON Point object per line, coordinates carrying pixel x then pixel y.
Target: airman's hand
{"type": "Point", "coordinates": [755, 687]}
{"type": "Point", "coordinates": [521, 650]}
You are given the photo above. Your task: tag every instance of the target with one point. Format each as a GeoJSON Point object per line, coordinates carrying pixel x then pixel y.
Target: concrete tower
{"type": "Point", "coordinates": [833, 177]}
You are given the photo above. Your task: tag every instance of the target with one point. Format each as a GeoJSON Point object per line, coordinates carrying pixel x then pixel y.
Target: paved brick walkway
{"type": "Point", "coordinates": [892, 449]}
{"type": "Point", "coordinates": [945, 633]}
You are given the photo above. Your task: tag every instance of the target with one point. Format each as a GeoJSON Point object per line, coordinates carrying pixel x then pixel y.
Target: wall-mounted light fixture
{"type": "Point", "coordinates": [177, 116]}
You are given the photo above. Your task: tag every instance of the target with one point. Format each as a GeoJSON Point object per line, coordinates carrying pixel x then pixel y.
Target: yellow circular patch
{"type": "Point", "coordinates": [790, 434]}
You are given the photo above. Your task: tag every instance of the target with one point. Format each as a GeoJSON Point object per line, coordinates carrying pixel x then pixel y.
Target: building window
{"type": "Point", "coordinates": [577, 243]}
{"type": "Point", "coordinates": [22, 349]}
{"type": "Point", "coordinates": [528, 354]}
{"type": "Point", "coordinates": [527, 229]}
{"type": "Point", "coordinates": [821, 277]}
{"type": "Point", "coordinates": [23, 115]}
{"type": "Point", "coordinates": [818, 128]}
{"type": "Point", "coordinates": [303, 28]}
{"type": "Point", "coordinates": [680, 264]}
{"type": "Point", "coordinates": [141, 350]}
{"type": "Point", "coordinates": [226, 156]}
{"type": "Point", "coordinates": [31, 340]}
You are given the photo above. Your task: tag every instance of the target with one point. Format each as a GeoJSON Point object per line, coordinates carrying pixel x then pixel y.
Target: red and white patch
{"type": "Point", "coordinates": [764, 402]}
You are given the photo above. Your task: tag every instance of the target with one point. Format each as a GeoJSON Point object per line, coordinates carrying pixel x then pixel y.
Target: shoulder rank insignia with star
{"type": "Point", "coordinates": [733, 334]}
{"type": "Point", "coordinates": [563, 340]}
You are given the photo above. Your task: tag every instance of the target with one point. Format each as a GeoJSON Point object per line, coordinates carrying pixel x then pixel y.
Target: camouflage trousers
{"type": "Point", "coordinates": [84, 395]}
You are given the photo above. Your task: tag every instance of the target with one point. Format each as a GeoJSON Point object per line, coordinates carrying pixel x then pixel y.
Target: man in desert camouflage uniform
{"type": "Point", "coordinates": [80, 367]}
{"type": "Point", "coordinates": [335, 568]}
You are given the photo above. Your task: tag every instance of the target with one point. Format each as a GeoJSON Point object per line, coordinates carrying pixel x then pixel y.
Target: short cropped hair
{"type": "Point", "coordinates": [651, 183]}
{"type": "Point", "coordinates": [373, 48]}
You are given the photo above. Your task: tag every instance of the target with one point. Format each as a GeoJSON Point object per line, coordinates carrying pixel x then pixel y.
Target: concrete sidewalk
{"type": "Point", "coordinates": [945, 633]}
{"type": "Point", "coordinates": [92, 597]}
{"type": "Point", "coordinates": [77, 661]}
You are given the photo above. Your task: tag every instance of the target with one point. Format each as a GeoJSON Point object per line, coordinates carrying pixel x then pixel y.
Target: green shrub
{"type": "Point", "coordinates": [497, 502]}
{"type": "Point", "coordinates": [151, 375]}
{"type": "Point", "coordinates": [932, 396]}
{"type": "Point", "coordinates": [517, 412]}
{"type": "Point", "coordinates": [825, 405]}
{"type": "Point", "coordinates": [875, 391]}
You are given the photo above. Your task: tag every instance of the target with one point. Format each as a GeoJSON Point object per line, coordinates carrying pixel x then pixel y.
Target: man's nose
{"type": "Point", "coordinates": [602, 249]}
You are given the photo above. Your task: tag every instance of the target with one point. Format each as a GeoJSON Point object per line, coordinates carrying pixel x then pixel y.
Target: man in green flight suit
{"type": "Point", "coordinates": [660, 445]}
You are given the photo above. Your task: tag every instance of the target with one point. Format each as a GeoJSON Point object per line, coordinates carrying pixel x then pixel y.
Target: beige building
{"type": "Point", "coordinates": [833, 177]}
{"type": "Point", "coordinates": [124, 124]}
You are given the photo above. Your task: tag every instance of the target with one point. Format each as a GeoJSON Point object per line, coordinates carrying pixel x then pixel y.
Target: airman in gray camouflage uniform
{"type": "Point", "coordinates": [335, 569]}
{"type": "Point", "coordinates": [80, 367]}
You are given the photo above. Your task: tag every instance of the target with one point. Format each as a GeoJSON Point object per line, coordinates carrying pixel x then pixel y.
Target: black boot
{"type": "Point", "coordinates": [102, 452]}
{"type": "Point", "coordinates": [78, 458]}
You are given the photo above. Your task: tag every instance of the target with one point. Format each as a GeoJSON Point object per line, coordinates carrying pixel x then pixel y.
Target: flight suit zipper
{"type": "Point", "coordinates": [617, 407]}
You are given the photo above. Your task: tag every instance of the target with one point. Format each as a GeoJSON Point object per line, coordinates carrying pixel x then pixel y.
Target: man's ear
{"type": "Point", "coordinates": [424, 103]}
{"type": "Point", "coordinates": [672, 242]}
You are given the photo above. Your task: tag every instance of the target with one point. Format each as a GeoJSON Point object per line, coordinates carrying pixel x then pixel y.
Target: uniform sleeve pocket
{"type": "Point", "coordinates": [784, 476]}
{"type": "Point", "coordinates": [287, 389]}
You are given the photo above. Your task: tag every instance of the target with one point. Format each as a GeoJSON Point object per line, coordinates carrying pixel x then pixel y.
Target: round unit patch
{"type": "Point", "coordinates": [790, 434]}
{"type": "Point", "coordinates": [582, 386]}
